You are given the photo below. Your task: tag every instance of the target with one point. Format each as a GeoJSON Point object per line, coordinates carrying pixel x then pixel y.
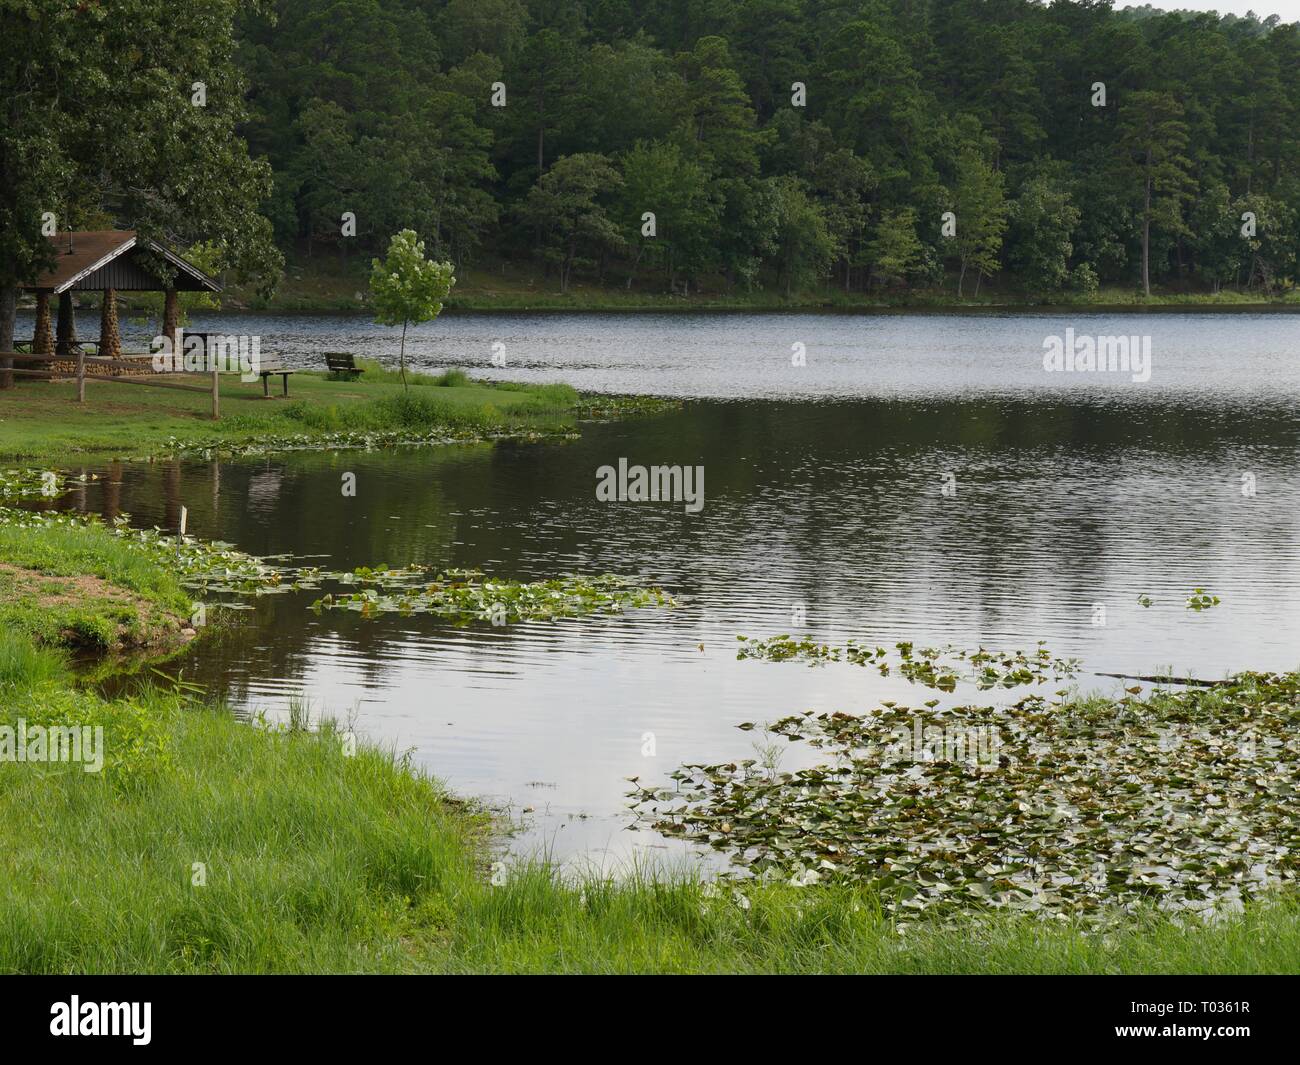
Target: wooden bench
{"type": "Point", "coordinates": [343, 364]}
{"type": "Point", "coordinates": [273, 368]}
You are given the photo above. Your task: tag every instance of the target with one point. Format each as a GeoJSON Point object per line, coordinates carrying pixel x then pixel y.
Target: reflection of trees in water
{"type": "Point", "coordinates": [835, 504]}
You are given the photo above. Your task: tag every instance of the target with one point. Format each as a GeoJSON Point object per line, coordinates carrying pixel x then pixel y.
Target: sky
{"type": "Point", "coordinates": [1289, 10]}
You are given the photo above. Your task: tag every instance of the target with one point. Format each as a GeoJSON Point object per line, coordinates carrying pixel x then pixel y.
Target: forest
{"type": "Point", "coordinates": [872, 144]}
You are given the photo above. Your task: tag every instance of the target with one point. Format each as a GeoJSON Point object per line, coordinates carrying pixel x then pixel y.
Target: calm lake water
{"type": "Point", "coordinates": [824, 499]}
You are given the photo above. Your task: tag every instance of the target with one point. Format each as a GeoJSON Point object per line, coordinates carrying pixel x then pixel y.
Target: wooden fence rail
{"type": "Point", "coordinates": [150, 379]}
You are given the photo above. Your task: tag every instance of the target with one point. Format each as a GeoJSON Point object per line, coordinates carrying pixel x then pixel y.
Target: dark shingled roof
{"type": "Point", "coordinates": [111, 258]}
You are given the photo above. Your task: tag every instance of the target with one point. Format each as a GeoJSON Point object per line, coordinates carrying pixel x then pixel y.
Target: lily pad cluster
{"type": "Point", "coordinates": [1186, 800]}
{"type": "Point", "coordinates": [467, 595]}
{"type": "Point", "coordinates": [933, 667]}
{"type": "Point", "coordinates": [350, 439]}
{"type": "Point", "coordinates": [596, 406]}
{"type": "Point", "coordinates": [29, 483]}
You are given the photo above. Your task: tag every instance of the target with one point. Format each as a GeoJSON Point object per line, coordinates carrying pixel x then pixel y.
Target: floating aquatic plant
{"type": "Point", "coordinates": [1200, 599]}
{"type": "Point", "coordinates": [596, 406]}
{"type": "Point", "coordinates": [29, 483]}
{"type": "Point", "coordinates": [1186, 800]}
{"type": "Point", "coordinates": [214, 568]}
{"type": "Point", "coordinates": [468, 595]}
{"type": "Point", "coordinates": [273, 443]}
{"type": "Point", "coordinates": [939, 668]}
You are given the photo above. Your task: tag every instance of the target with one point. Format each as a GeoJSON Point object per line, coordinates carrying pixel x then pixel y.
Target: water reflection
{"type": "Point", "coordinates": [832, 507]}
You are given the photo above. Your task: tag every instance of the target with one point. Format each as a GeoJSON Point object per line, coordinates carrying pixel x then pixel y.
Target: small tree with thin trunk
{"type": "Point", "coordinates": [407, 287]}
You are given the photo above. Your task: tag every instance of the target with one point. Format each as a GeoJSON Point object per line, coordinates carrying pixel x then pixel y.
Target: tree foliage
{"type": "Point", "coordinates": [126, 114]}
{"type": "Point", "coordinates": [778, 143]}
{"type": "Point", "coordinates": [407, 287]}
{"type": "Point", "coordinates": [907, 109]}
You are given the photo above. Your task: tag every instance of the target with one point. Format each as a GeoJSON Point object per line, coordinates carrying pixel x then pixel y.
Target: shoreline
{"type": "Point", "coordinates": [381, 868]}
{"type": "Point", "coordinates": [40, 422]}
{"type": "Point", "coordinates": [920, 310]}
{"type": "Point", "coordinates": [327, 295]}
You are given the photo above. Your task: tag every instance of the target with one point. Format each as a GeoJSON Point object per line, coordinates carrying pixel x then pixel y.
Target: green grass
{"type": "Point", "coordinates": [42, 420]}
{"type": "Point", "coordinates": [318, 862]}
{"type": "Point", "coordinates": [84, 587]}
{"type": "Point", "coordinates": [210, 844]}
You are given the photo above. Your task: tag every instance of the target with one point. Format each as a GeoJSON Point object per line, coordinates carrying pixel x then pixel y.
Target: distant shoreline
{"type": "Point", "coordinates": [920, 310]}
{"type": "Point", "coordinates": [897, 311]}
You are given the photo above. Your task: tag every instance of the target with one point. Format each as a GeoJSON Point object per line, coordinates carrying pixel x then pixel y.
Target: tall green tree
{"type": "Point", "coordinates": [895, 251]}
{"type": "Point", "coordinates": [407, 287]}
{"type": "Point", "coordinates": [1041, 224]}
{"type": "Point", "coordinates": [717, 123]}
{"type": "Point", "coordinates": [1152, 140]}
{"type": "Point", "coordinates": [658, 180]}
{"type": "Point", "coordinates": [981, 214]}
{"type": "Point", "coordinates": [569, 208]}
{"type": "Point", "coordinates": [805, 248]}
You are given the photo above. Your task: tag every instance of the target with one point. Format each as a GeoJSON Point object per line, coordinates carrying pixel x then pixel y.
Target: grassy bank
{"type": "Point", "coordinates": [211, 844]}
{"type": "Point", "coordinates": [327, 285]}
{"type": "Point", "coordinates": [43, 420]}
{"type": "Point", "coordinates": [220, 847]}
{"type": "Point", "coordinates": [85, 589]}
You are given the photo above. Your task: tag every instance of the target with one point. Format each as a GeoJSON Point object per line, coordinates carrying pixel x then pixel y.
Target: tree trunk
{"type": "Point", "coordinates": [1146, 241]}
{"type": "Point", "coordinates": [961, 276]}
{"type": "Point", "coordinates": [541, 140]}
{"type": "Point", "coordinates": [8, 312]}
{"type": "Point", "coordinates": [401, 359]}
{"type": "Point", "coordinates": [635, 263]}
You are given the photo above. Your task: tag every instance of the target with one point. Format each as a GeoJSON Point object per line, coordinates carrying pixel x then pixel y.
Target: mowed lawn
{"type": "Point", "coordinates": [43, 420]}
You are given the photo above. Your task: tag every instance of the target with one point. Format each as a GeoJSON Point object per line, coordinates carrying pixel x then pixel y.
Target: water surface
{"type": "Point", "coordinates": [824, 516]}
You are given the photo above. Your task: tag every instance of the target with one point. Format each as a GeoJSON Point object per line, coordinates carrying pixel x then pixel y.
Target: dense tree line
{"type": "Point", "coordinates": [875, 143]}
{"type": "Point", "coordinates": [785, 142]}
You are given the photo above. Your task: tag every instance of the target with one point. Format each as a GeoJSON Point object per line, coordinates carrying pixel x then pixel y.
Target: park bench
{"type": "Point", "coordinates": [273, 368]}
{"type": "Point", "coordinates": [343, 364]}
{"type": "Point", "coordinates": [269, 366]}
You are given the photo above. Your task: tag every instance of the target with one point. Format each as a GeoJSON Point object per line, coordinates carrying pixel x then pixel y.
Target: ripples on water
{"type": "Point", "coordinates": [823, 491]}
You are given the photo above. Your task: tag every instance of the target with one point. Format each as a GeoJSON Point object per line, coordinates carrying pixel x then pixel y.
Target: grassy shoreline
{"type": "Point", "coordinates": [596, 301]}
{"type": "Point", "coordinates": [211, 844]}
{"type": "Point", "coordinates": [326, 285]}
{"type": "Point", "coordinates": [43, 422]}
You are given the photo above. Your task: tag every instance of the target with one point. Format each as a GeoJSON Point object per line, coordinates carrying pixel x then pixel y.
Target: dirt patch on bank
{"type": "Point", "coordinates": [84, 612]}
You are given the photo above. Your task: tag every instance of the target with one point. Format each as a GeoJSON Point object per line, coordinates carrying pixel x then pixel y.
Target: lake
{"type": "Point", "coordinates": [918, 477]}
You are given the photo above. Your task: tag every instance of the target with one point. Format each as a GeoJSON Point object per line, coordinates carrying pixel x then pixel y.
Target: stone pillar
{"type": "Point", "coordinates": [67, 327]}
{"type": "Point", "coordinates": [171, 316]}
{"type": "Point", "coordinates": [43, 336]}
{"type": "Point", "coordinates": [110, 339]}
